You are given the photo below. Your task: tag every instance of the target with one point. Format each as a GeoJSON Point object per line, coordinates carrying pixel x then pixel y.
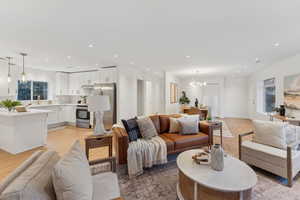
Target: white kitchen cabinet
{"type": "Point", "coordinates": [68, 113]}
{"type": "Point", "coordinates": [107, 75]}
{"type": "Point", "coordinates": [62, 83]}
{"type": "Point", "coordinates": [74, 84]}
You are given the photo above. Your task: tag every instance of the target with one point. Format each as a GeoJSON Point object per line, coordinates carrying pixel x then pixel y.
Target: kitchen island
{"type": "Point", "coordinates": [23, 131]}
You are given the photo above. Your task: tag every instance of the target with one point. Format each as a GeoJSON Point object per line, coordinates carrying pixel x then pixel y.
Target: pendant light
{"type": "Point", "coordinates": [23, 75]}
{"type": "Point", "coordinates": [8, 72]}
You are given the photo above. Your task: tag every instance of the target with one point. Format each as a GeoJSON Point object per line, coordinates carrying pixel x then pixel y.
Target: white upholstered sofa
{"type": "Point", "coordinates": [32, 179]}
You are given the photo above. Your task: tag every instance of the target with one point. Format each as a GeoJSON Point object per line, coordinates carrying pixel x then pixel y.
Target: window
{"type": "Point", "coordinates": [269, 95]}
{"type": "Point", "coordinates": [40, 90]}
{"type": "Point", "coordinates": [32, 90]}
{"type": "Point", "coordinates": [24, 90]}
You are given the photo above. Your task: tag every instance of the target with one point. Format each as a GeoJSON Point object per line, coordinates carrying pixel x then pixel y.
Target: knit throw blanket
{"type": "Point", "coordinates": [145, 153]}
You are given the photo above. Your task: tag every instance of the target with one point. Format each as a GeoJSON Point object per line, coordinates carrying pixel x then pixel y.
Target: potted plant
{"type": "Point", "coordinates": [184, 100]}
{"type": "Point", "coordinates": [9, 104]}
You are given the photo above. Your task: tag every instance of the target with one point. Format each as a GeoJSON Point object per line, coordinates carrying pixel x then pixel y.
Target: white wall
{"type": "Point", "coordinates": [127, 92]}
{"type": "Point", "coordinates": [278, 71]}
{"type": "Point", "coordinates": [231, 95]}
{"type": "Point", "coordinates": [174, 107]}
{"type": "Point", "coordinates": [31, 74]}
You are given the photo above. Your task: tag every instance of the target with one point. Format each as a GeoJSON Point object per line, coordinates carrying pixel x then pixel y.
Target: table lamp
{"type": "Point", "coordinates": [98, 104]}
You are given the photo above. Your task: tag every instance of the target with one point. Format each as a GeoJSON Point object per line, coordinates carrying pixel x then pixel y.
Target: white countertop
{"type": "Point", "coordinates": [29, 112]}
{"type": "Point", "coordinates": [50, 105]}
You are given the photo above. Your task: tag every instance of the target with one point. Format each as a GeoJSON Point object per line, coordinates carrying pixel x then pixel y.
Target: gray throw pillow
{"type": "Point", "coordinates": [146, 127]}
{"type": "Point", "coordinates": [189, 125]}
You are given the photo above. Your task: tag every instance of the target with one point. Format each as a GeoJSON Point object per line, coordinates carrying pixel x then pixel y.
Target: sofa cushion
{"type": "Point", "coordinates": [155, 120]}
{"type": "Point", "coordinates": [72, 177]}
{"type": "Point", "coordinates": [165, 122]}
{"type": "Point", "coordinates": [270, 133]}
{"type": "Point", "coordinates": [106, 186]}
{"type": "Point", "coordinates": [185, 141]}
{"type": "Point", "coordinates": [170, 143]}
{"type": "Point", "coordinates": [132, 129]}
{"type": "Point", "coordinates": [32, 180]}
{"type": "Point", "coordinates": [147, 128]}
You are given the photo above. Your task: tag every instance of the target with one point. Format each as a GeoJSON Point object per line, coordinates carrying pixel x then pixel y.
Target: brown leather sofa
{"type": "Point", "coordinates": [175, 142]}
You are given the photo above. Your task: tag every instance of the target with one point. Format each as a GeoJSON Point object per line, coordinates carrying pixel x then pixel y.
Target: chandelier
{"type": "Point", "coordinates": [195, 83]}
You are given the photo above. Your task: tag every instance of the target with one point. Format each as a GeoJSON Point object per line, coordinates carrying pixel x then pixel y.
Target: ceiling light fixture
{"type": "Point", "coordinates": [8, 71]}
{"type": "Point", "coordinates": [188, 57]}
{"type": "Point", "coordinates": [195, 83]}
{"type": "Point", "coordinates": [91, 45]}
{"type": "Point", "coordinates": [257, 60]}
{"type": "Point", "coordinates": [276, 44]}
{"type": "Point", "coordinates": [23, 75]}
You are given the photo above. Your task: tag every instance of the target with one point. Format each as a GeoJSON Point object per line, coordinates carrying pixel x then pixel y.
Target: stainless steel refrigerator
{"type": "Point", "coordinates": [109, 89]}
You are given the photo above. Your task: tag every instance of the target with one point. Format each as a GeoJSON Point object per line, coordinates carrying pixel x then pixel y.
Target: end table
{"type": "Point", "coordinates": [215, 126]}
{"type": "Point", "coordinates": [95, 141]}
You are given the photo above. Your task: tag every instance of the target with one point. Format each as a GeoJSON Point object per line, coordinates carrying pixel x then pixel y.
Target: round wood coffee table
{"type": "Point", "coordinates": [200, 182]}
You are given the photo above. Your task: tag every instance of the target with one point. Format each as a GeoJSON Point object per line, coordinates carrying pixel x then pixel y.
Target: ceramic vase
{"type": "Point", "coordinates": [217, 158]}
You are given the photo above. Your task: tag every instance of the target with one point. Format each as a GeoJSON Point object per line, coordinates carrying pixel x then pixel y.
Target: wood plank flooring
{"type": "Point", "coordinates": [60, 140]}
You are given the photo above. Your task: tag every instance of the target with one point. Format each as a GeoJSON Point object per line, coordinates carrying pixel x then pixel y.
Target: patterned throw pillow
{"type": "Point", "coordinates": [132, 129]}
{"type": "Point", "coordinates": [174, 125]}
{"type": "Point", "coordinates": [189, 125]}
{"type": "Point", "coordinates": [146, 127]}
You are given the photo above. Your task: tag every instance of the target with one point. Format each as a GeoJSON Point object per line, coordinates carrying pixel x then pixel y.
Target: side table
{"type": "Point", "coordinates": [96, 141]}
{"type": "Point", "coordinates": [215, 126]}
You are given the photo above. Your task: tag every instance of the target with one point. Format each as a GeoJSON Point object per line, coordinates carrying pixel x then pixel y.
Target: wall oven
{"type": "Point", "coordinates": [83, 116]}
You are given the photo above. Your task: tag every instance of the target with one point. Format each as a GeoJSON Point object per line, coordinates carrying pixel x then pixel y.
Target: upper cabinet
{"type": "Point", "coordinates": [107, 75]}
{"type": "Point", "coordinates": [71, 83]}
{"type": "Point", "coordinates": [62, 83]}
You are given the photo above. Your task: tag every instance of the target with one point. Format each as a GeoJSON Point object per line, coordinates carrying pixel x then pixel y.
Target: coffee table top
{"type": "Point", "coordinates": [237, 176]}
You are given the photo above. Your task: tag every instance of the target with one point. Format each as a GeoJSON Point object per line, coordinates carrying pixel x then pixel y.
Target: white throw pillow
{"type": "Point", "coordinates": [270, 133]}
{"type": "Point", "coordinates": [71, 176]}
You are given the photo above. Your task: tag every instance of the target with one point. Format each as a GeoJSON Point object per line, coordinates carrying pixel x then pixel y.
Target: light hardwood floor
{"type": "Point", "coordinates": [60, 140]}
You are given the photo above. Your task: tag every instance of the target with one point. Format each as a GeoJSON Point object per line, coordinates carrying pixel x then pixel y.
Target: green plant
{"type": "Point", "coordinates": [9, 104]}
{"type": "Point", "coordinates": [184, 99]}
{"type": "Point", "coordinates": [208, 118]}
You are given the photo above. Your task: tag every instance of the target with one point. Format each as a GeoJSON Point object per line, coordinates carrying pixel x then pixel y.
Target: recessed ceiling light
{"type": "Point", "coordinates": [276, 44]}
{"type": "Point", "coordinates": [257, 60]}
{"type": "Point", "coordinates": [116, 56]}
{"type": "Point", "coordinates": [132, 63]}
{"type": "Point", "coordinates": [187, 56]}
{"type": "Point", "coordinates": [91, 45]}
{"type": "Point", "coordinates": [69, 57]}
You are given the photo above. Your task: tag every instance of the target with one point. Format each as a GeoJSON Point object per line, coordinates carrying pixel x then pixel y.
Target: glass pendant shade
{"type": "Point", "coordinates": [23, 75]}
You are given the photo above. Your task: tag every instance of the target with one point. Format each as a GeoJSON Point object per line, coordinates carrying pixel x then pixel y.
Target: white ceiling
{"type": "Point", "coordinates": [222, 37]}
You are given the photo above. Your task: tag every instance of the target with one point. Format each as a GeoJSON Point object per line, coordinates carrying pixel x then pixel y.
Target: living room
{"type": "Point", "coordinates": [149, 100]}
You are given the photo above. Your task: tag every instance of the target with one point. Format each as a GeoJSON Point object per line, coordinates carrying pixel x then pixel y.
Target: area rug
{"type": "Point", "coordinates": [225, 130]}
{"type": "Point", "coordinates": [159, 183]}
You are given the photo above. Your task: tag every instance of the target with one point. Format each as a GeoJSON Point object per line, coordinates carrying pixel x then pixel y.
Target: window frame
{"type": "Point", "coordinates": [31, 91]}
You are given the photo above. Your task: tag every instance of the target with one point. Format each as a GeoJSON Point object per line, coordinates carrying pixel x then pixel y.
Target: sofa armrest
{"type": "Point", "coordinates": [241, 140]}
{"type": "Point", "coordinates": [101, 162]}
{"type": "Point", "coordinates": [121, 144]}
